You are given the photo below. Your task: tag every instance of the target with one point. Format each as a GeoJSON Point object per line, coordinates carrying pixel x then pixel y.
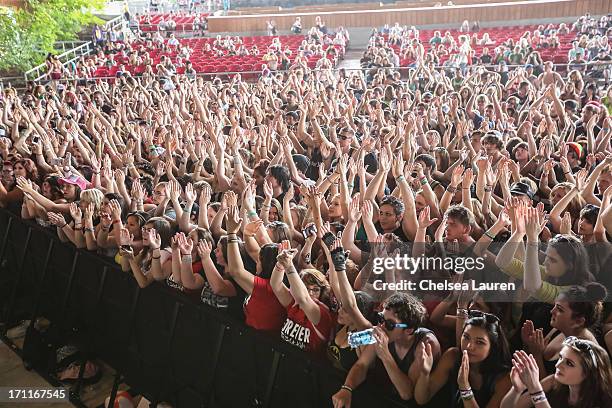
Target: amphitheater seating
{"type": "Point", "coordinates": [207, 63]}
{"type": "Point", "coordinates": [183, 22]}
{"type": "Point", "coordinates": [500, 35]}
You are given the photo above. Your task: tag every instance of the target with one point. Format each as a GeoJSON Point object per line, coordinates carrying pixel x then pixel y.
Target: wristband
{"type": "Point", "coordinates": [488, 189]}
{"type": "Point", "coordinates": [252, 214]}
{"type": "Point", "coordinates": [466, 394]}
{"type": "Point", "coordinates": [462, 312]}
{"type": "Point", "coordinates": [89, 230]}
{"type": "Point", "coordinates": [535, 399]}
{"type": "Point", "coordinates": [488, 234]}
{"type": "Point", "coordinates": [346, 387]}
{"type": "Point", "coordinates": [451, 189]}
{"type": "Point", "coordinates": [400, 178]}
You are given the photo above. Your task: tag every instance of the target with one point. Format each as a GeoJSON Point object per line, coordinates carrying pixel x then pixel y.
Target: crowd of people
{"type": "Point", "coordinates": [273, 199]}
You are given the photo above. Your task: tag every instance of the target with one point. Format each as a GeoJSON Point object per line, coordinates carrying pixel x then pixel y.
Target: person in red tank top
{"type": "Point", "coordinates": [309, 321]}
{"type": "Point", "coordinates": [262, 309]}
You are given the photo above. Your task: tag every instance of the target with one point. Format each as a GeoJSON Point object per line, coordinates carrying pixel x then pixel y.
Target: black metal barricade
{"type": "Point", "coordinates": [164, 345]}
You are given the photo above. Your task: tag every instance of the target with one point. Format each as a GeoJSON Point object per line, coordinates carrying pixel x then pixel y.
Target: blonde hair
{"type": "Point", "coordinates": [93, 196]}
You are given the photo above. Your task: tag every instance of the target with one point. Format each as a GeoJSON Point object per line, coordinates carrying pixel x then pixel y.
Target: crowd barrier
{"type": "Point", "coordinates": [163, 344]}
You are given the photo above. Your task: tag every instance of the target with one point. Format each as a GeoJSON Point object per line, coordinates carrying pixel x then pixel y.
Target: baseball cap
{"type": "Point", "coordinates": [521, 188]}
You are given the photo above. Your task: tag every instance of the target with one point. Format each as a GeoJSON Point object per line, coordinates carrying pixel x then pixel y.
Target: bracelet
{"type": "Point", "coordinates": [462, 312]}
{"type": "Point", "coordinates": [252, 214]}
{"type": "Point", "coordinates": [567, 172]}
{"type": "Point", "coordinates": [232, 235]}
{"type": "Point", "coordinates": [266, 206]}
{"type": "Point", "coordinates": [537, 393]}
{"type": "Point", "coordinates": [488, 234]}
{"type": "Point", "coordinates": [346, 387]}
{"type": "Point", "coordinates": [424, 181]}
{"type": "Point", "coordinates": [89, 230]}
{"type": "Point", "coordinates": [232, 241]}
{"type": "Point", "coordinates": [400, 178]}
{"type": "Point", "coordinates": [64, 226]}
{"type": "Point", "coordinates": [451, 189]}
{"type": "Point", "coordinates": [536, 399]}
{"type": "Point", "coordinates": [466, 394]}
{"type": "Point", "coordinates": [488, 189]}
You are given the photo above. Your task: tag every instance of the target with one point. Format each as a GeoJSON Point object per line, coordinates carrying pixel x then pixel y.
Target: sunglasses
{"type": "Point", "coordinates": [390, 324]}
{"type": "Point", "coordinates": [581, 346]}
{"type": "Point", "coordinates": [489, 318]}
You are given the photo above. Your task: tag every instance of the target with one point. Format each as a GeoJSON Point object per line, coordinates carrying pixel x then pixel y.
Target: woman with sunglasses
{"type": "Point", "coordinates": [475, 374]}
{"type": "Point", "coordinates": [583, 378]}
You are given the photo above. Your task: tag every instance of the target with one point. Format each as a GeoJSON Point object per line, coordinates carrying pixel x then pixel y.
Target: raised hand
{"type": "Point", "coordinates": [204, 249]}
{"type": "Point", "coordinates": [424, 221]}
{"type": "Point", "coordinates": [456, 176]}
{"type": "Point", "coordinates": [125, 238]}
{"type": "Point", "coordinates": [463, 378]}
{"type": "Point", "coordinates": [185, 244]}
{"type": "Point", "coordinates": [528, 370]}
{"type": "Point", "coordinates": [115, 210]}
{"type": "Point", "coordinates": [154, 238]}
{"type": "Point", "coordinates": [190, 195]}
{"type": "Point", "coordinates": [233, 219]}
{"type": "Point", "coordinates": [75, 213]}
{"type": "Point", "coordinates": [56, 219]}
{"type": "Point", "coordinates": [354, 210]}
{"type": "Point", "coordinates": [285, 258]}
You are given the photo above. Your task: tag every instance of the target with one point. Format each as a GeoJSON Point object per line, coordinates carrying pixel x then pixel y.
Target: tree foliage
{"type": "Point", "coordinates": [27, 34]}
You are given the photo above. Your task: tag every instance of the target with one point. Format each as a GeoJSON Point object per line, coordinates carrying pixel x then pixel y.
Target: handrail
{"type": "Point", "coordinates": [85, 48]}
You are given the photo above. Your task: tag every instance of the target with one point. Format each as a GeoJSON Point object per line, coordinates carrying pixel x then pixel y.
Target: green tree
{"type": "Point", "coordinates": [28, 34]}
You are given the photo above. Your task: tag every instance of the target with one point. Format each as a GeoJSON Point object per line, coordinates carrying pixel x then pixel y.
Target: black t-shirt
{"type": "Point", "coordinates": [486, 59]}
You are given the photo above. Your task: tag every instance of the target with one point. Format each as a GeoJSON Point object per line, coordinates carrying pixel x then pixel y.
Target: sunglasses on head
{"type": "Point", "coordinates": [390, 324]}
{"type": "Point", "coordinates": [489, 318]}
{"type": "Point", "coordinates": [581, 346]}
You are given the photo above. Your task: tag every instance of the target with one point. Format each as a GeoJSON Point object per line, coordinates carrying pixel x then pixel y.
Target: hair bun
{"type": "Point", "coordinates": [595, 292]}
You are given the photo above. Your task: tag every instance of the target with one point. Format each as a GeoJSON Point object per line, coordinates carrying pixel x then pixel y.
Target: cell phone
{"type": "Point", "coordinates": [35, 139]}
{"type": "Point", "coordinates": [309, 230]}
{"type": "Point", "coordinates": [285, 245]}
{"type": "Point", "coordinates": [56, 161]}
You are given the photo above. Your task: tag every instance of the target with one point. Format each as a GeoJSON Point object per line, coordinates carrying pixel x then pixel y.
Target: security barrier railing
{"type": "Point", "coordinates": [165, 345]}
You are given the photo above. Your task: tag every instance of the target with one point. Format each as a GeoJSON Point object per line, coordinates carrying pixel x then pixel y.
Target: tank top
{"type": "Point", "coordinates": [342, 358]}
{"type": "Point", "coordinates": [379, 372]}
